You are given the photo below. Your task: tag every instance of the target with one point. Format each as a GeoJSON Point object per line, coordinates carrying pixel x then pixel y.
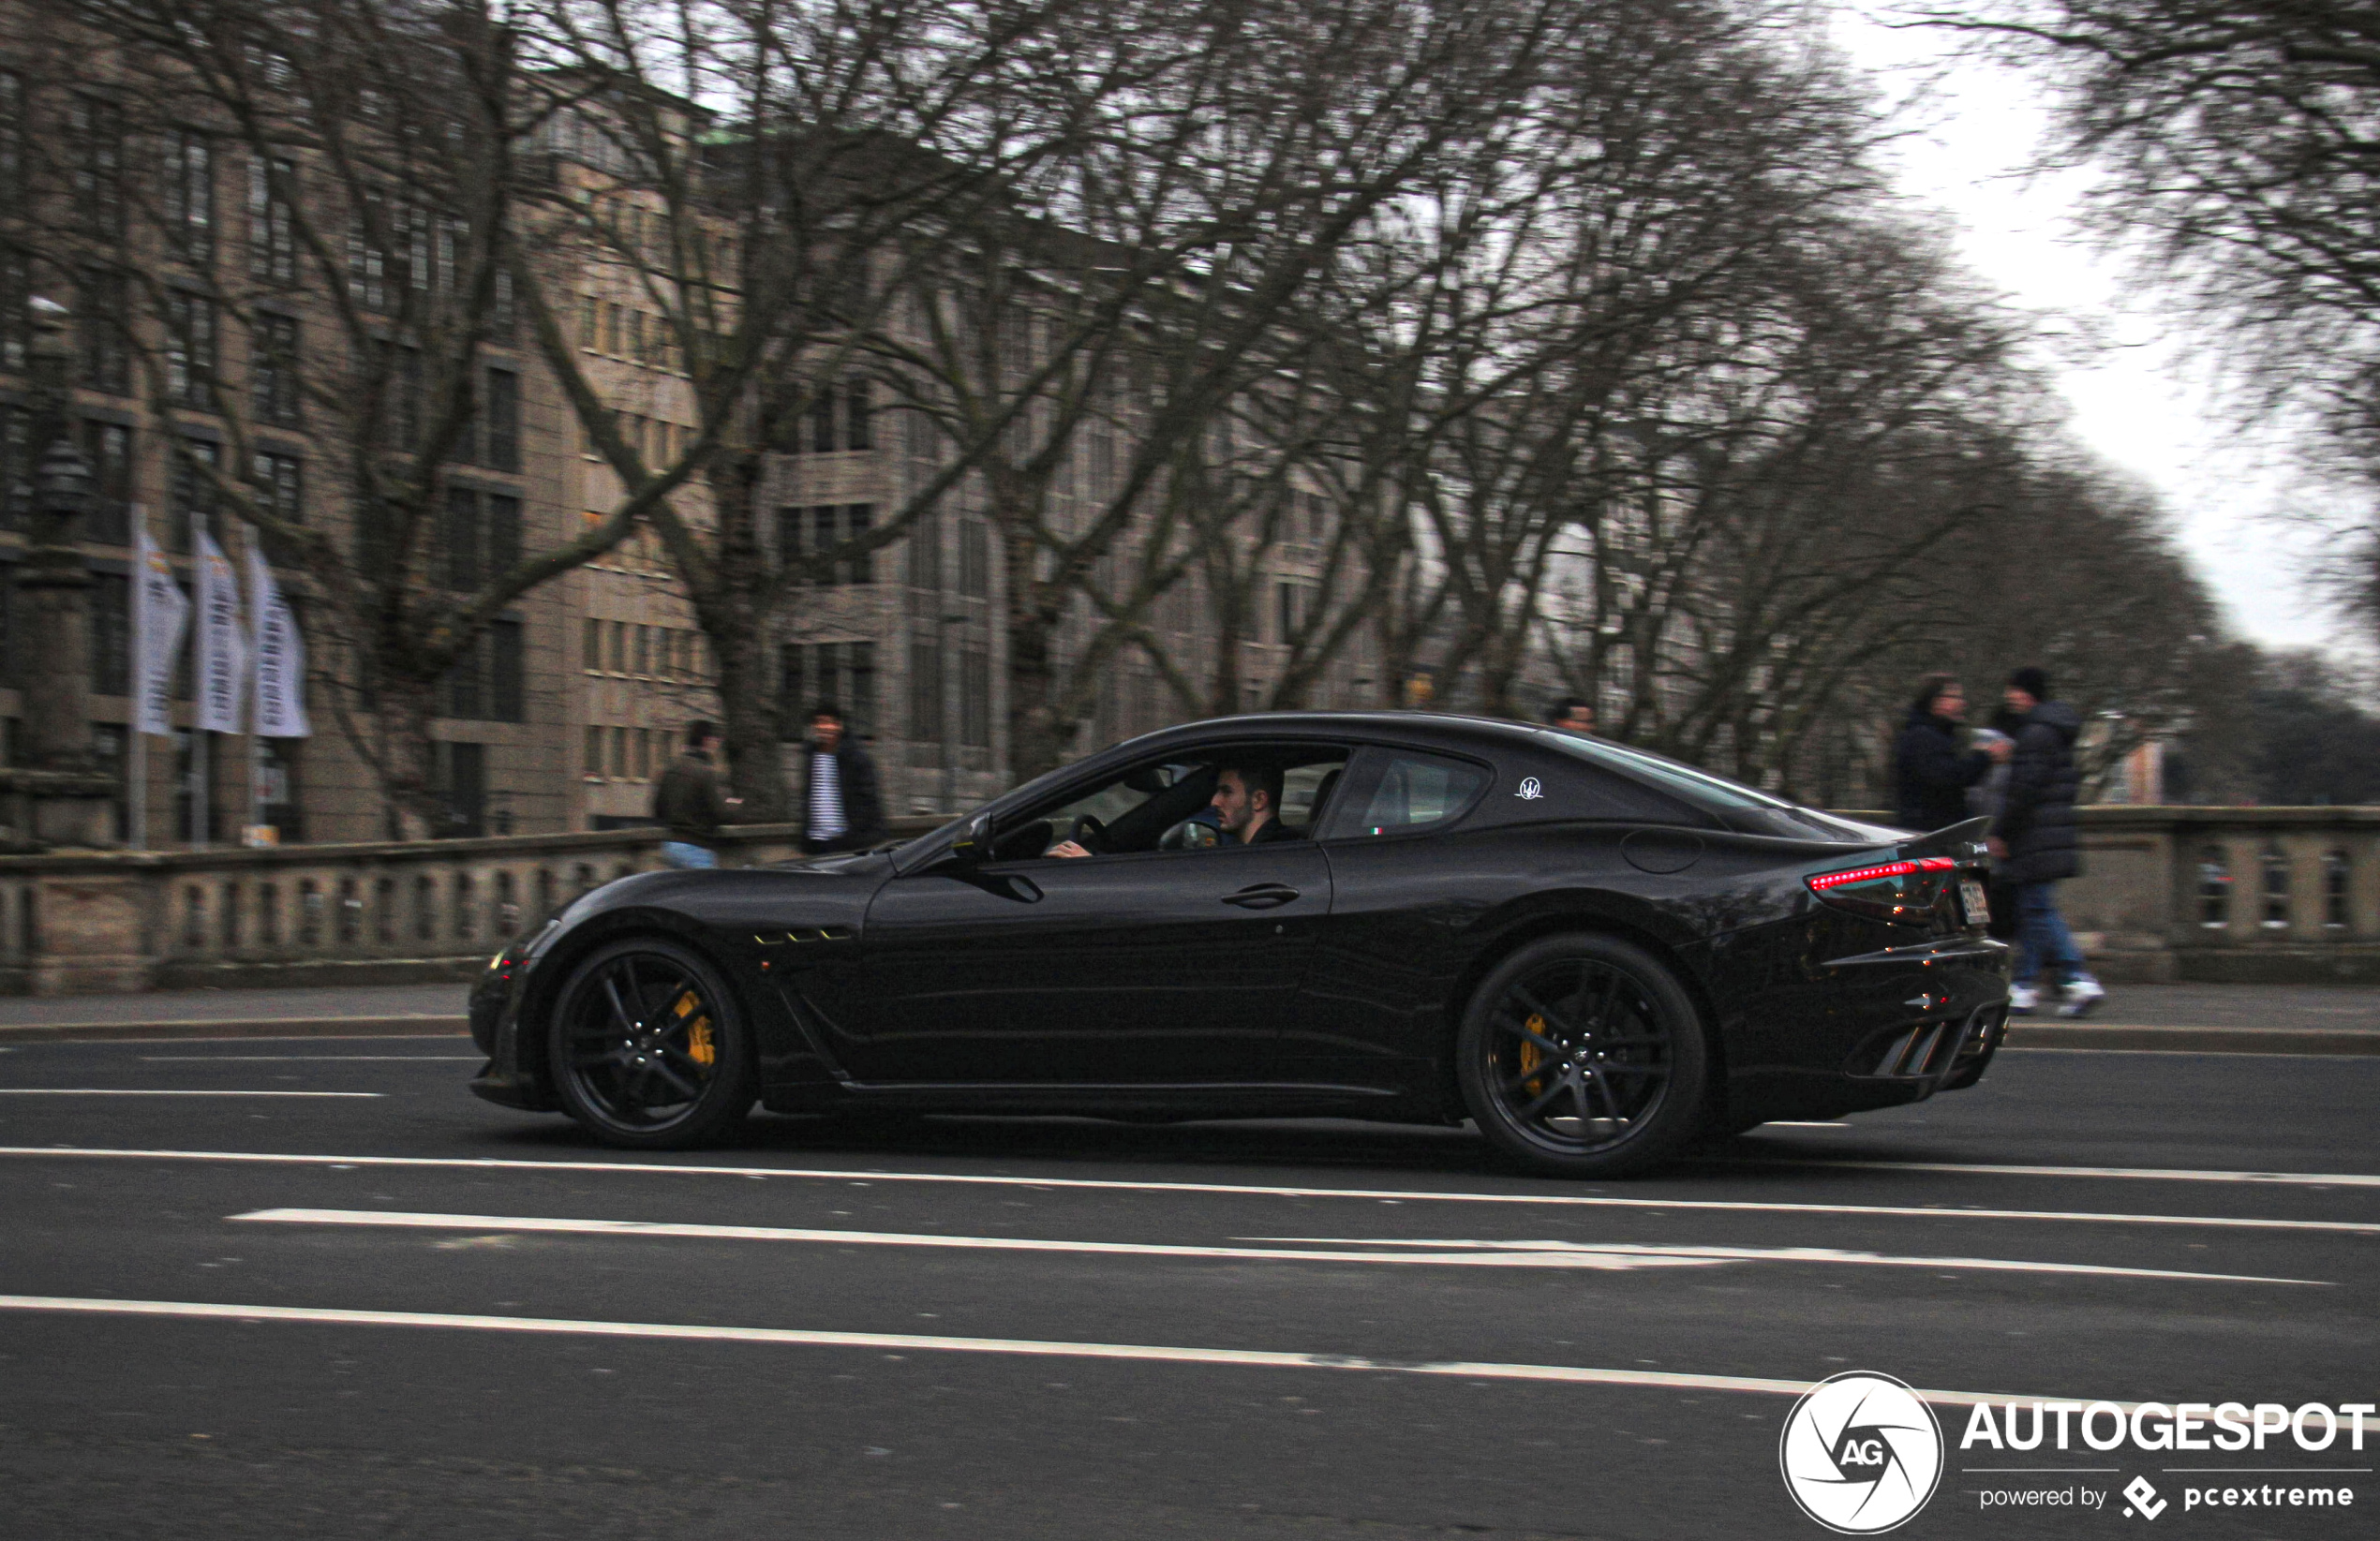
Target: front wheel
{"type": "Point", "coordinates": [649, 1051]}
{"type": "Point", "coordinates": [1583, 1055]}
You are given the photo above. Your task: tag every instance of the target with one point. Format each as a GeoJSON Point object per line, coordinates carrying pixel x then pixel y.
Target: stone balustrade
{"type": "Point", "coordinates": [310, 915]}
{"type": "Point", "coordinates": [2221, 894]}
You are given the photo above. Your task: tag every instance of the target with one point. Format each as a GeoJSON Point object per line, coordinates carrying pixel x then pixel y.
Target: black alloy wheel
{"type": "Point", "coordinates": [1583, 1055]}
{"type": "Point", "coordinates": [649, 1051]}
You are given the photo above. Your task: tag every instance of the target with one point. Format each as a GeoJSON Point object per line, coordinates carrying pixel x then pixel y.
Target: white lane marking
{"type": "Point", "coordinates": [313, 1059]}
{"type": "Point", "coordinates": [1805, 1123]}
{"type": "Point", "coordinates": [146, 1092]}
{"type": "Point", "coordinates": [1571, 1374]}
{"type": "Point", "coordinates": [2153, 1174]}
{"type": "Point", "coordinates": [1783, 1254]}
{"type": "Point", "coordinates": [2347, 1227]}
{"type": "Point", "coordinates": [1614, 1259]}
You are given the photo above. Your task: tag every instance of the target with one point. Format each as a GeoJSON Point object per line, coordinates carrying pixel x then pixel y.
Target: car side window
{"type": "Point", "coordinates": [1399, 792]}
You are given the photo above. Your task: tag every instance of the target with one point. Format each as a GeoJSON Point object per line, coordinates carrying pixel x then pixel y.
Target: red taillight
{"type": "Point", "coordinates": [1825, 880]}
{"type": "Point", "coordinates": [1905, 891]}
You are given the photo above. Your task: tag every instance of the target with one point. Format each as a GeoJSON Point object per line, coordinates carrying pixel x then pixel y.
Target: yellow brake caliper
{"type": "Point", "coordinates": [1532, 1056]}
{"type": "Point", "coordinates": [699, 1046]}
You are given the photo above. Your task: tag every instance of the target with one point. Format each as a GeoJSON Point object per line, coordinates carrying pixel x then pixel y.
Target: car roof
{"type": "Point", "coordinates": [1436, 727]}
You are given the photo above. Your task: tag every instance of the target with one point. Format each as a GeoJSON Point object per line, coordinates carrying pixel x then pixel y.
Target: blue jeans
{"type": "Point", "coordinates": [2041, 937]}
{"type": "Point", "coordinates": [684, 853]}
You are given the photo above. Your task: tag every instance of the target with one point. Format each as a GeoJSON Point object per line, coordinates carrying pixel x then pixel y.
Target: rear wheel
{"type": "Point", "coordinates": [649, 1049]}
{"type": "Point", "coordinates": [1583, 1055]}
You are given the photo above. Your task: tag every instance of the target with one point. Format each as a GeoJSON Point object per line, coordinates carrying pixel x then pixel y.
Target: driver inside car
{"type": "Point", "coordinates": [1248, 800]}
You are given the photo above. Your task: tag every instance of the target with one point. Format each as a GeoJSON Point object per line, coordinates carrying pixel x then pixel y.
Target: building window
{"type": "Point", "coordinates": [974, 698]}
{"type": "Point", "coordinates": [859, 430]}
{"type": "Point", "coordinates": [190, 501]}
{"type": "Point", "coordinates": [16, 322]}
{"type": "Point", "coordinates": [187, 188]}
{"type": "Point", "coordinates": [974, 559]}
{"type": "Point", "coordinates": [95, 133]}
{"type": "Point", "coordinates": [111, 634]}
{"type": "Point", "coordinates": [189, 351]}
{"type": "Point", "coordinates": [925, 691]}
{"type": "Point", "coordinates": [843, 672]}
{"type": "Point", "coordinates": [109, 447]}
{"type": "Point", "coordinates": [506, 694]}
{"type": "Point", "coordinates": [12, 140]}
{"type": "Point", "coordinates": [485, 684]}
{"type": "Point", "coordinates": [924, 553]}
{"type": "Point", "coordinates": [822, 420]}
{"type": "Point", "coordinates": [272, 221]}
{"type": "Point", "coordinates": [273, 381]}
{"type": "Point", "coordinates": [812, 532]}
{"type": "Point", "coordinates": [16, 463]}
{"type": "Point", "coordinates": [106, 354]}
{"type": "Point", "coordinates": [500, 445]}
{"type": "Point", "coordinates": [590, 645]}
{"type": "Point", "coordinates": [483, 537]}
{"type": "Point", "coordinates": [592, 756]}
{"type": "Point", "coordinates": [462, 785]}
{"type": "Point", "coordinates": [280, 486]}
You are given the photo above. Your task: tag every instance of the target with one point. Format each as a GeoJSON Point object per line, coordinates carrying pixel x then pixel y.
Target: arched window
{"type": "Point", "coordinates": [2276, 887]}
{"type": "Point", "coordinates": [2214, 888]}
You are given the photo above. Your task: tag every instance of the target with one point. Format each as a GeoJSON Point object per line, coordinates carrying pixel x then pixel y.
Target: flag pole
{"type": "Point", "coordinates": [255, 692]}
{"type": "Point", "coordinates": [136, 754]}
{"type": "Point", "coordinates": [202, 742]}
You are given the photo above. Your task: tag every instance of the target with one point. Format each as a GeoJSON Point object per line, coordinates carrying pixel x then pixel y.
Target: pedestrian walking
{"type": "Point", "coordinates": [1931, 773]}
{"type": "Point", "coordinates": [841, 807]}
{"type": "Point", "coordinates": [691, 803]}
{"type": "Point", "coordinates": [2037, 847]}
{"type": "Point", "coordinates": [1572, 714]}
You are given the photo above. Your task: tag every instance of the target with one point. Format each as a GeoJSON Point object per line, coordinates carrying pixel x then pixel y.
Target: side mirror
{"type": "Point", "coordinates": [974, 843]}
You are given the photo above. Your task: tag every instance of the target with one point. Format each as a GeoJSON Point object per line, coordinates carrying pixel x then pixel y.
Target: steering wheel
{"type": "Point", "coordinates": [1087, 832]}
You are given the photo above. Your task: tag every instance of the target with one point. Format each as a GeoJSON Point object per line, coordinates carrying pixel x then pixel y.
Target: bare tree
{"type": "Point", "coordinates": [321, 193]}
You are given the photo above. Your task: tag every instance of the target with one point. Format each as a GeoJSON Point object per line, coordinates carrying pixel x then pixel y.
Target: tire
{"type": "Point", "coordinates": [650, 1049]}
{"type": "Point", "coordinates": [1585, 1056]}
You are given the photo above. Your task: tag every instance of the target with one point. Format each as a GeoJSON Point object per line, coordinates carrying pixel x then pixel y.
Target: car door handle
{"type": "Point", "coordinates": [1264, 895]}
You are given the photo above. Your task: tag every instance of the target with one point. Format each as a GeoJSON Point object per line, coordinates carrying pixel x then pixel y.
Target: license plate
{"type": "Point", "coordinates": [1970, 896]}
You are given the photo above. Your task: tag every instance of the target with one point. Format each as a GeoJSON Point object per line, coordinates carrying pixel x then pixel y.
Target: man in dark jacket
{"type": "Point", "coordinates": [691, 804]}
{"type": "Point", "coordinates": [841, 809]}
{"type": "Point", "coordinates": [2036, 844]}
{"type": "Point", "coordinates": [1931, 775]}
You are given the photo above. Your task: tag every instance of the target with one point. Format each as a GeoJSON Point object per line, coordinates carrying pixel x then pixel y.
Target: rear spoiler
{"type": "Point", "coordinates": [1961, 842]}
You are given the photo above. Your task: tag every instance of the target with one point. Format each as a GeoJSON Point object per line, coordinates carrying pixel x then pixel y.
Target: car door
{"type": "Point", "coordinates": [1165, 967]}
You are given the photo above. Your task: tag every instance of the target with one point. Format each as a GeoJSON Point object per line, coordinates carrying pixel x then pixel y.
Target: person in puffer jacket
{"type": "Point", "coordinates": [2036, 842]}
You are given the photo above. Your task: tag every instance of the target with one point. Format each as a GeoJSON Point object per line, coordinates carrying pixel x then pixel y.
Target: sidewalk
{"type": "Point", "coordinates": [367, 1012]}
{"type": "Point", "coordinates": [2204, 1018]}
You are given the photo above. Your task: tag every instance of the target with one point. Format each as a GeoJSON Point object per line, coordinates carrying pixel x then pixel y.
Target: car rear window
{"type": "Point", "coordinates": [1401, 791]}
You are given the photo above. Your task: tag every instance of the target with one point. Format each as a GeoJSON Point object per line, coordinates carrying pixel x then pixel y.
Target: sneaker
{"type": "Point", "coordinates": [2082, 996]}
{"type": "Point", "coordinates": [2023, 1001]}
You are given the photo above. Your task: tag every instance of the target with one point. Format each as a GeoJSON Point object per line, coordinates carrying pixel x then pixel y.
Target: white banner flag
{"type": "Point", "coordinates": [222, 651]}
{"type": "Point", "coordinates": [281, 657]}
{"type": "Point", "coordinates": [160, 613]}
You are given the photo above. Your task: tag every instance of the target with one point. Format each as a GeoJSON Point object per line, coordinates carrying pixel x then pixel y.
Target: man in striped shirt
{"type": "Point", "coordinates": [841, 809]}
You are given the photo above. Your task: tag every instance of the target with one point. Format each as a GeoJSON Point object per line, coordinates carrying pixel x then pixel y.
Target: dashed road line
{"type": "Point", "coordinates": [907, 1342]}
{"type": "Point", "coordinates": [154, 1092]}
{"type": "Point", "coordinates": [1382, 1196]}
{"type": "Point", "coordinates": [1490, 1254]}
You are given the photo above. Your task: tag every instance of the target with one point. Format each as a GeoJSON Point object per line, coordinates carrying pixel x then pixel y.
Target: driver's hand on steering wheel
{"type": "Point", "coordinates": [1066, 847]}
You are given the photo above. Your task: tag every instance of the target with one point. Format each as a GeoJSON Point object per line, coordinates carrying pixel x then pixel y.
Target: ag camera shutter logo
{"type": "Point", "coordinates": [1861, 1453]}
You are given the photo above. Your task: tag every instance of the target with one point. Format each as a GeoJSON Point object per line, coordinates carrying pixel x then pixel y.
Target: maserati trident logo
{"type": "Point", "coordinates": [1861, 1453]}
{"type": "Point", "coordinates": [1531, 790]}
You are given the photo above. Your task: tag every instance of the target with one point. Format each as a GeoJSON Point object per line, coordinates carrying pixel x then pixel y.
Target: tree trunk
{"type": "Point", "coordinates": [734, 609]}
{"type": "Point", "coordinates": [402, 710]}
{"type": "Point", "coordinates": [1037, 739]}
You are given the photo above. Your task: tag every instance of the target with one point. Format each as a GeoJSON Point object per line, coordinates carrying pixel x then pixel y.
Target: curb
{"type": "Point", "coordinates": [417, 1025]}
{"type": "Point", "coordinates": [2077, 1035]}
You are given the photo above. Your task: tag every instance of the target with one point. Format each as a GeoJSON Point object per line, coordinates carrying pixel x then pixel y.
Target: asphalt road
{"type": "Point", "coordinates": [1009, 1328]}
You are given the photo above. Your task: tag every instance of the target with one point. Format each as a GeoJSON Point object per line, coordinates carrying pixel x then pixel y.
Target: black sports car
{"type": "Point", "coordinates": [1593, 953]}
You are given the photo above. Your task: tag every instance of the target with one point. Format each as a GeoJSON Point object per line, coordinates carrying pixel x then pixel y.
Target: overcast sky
{"type": "Point", "coordinates": [2142, 399]}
